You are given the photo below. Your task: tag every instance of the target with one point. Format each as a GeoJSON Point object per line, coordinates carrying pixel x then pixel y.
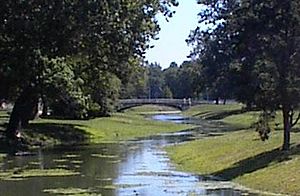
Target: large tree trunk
{"type": "Point", "coordinates": [286, 128]}
{"type": "Point", "coordinates": [224, 101]}
{"type": "Point", "coordinates": [217, 101]}
{"type": "Point", "coordinates": [25, 109]}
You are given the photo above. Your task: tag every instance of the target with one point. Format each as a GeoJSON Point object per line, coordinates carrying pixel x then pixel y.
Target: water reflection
{"type": "Point", "coordinates": [131, 168]}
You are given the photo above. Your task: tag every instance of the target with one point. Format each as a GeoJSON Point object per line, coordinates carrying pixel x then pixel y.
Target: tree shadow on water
{"type": "Point", "coordinates": [257, 162]}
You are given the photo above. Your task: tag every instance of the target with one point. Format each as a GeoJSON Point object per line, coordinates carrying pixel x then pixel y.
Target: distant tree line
{"type": "Point", "coordinates": [154, 82]}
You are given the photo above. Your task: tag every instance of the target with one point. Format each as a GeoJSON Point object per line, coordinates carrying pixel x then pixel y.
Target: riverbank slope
{"type": "Point", "coordinates": [240, 155]}
{"type": "Point", "coordinates": [118, 127]}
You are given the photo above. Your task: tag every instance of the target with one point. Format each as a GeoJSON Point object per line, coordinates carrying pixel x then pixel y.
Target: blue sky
{"type": "Point", "coordinates": [171, 45]}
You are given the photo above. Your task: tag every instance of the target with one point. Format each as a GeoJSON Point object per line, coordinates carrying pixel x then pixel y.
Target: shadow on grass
{"type": "Point", "coordinates": [295, 130]}
{"type": "Point", "coordinates": [257, 162]}
{"type": "Point", "coordinates": [46, 134]}
{"type": "Point", "coordinates": [3, 117]}
{"type": "Point", "coordinates": [223, 114]}
{"type": "Point", "coordinates": [214, 126]}
{"type": "Point", "coordinates": [218, 115]}
{"type": "Point", "coordinates": [64, 133]}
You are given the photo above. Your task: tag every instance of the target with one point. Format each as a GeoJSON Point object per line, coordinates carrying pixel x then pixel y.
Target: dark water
{"type": "Point", "coordinates": [131, 168]}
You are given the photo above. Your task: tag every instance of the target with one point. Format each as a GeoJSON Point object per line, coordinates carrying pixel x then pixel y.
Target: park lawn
{"type": "Point", "coordinates": [211, 110]}
{"type": "Point", "coordinates": [128, 126]}
{"type": "Point", "coordinates": [151, 109]}
{"type": "Point", "coordinates": [118, 127]}
{"type": "Point", "coordinates": [233, 114]}
{"type": "Point", "coordinates": [241, 156]}
{"type": "Point", "coordinates": [249, 118]}
{"type": "Point", "coordinates": [244, 120]}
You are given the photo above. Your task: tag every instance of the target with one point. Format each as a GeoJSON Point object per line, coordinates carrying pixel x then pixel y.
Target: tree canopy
{"type": "Point", "coordinates": [75, 53]}
{"type": "Point", "coordinates": [255, 45]}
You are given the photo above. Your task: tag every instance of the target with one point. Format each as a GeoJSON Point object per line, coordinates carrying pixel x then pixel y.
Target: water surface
{"type": "Point", "coordinates": [139, 167]}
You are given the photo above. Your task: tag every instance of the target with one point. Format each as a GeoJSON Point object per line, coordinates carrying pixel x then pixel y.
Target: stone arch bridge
{"type": "Point", "coordinates": [181, 104]}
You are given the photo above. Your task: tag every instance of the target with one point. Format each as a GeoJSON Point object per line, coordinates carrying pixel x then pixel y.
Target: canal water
{"type": "Point", "coordinates": [139, 167]}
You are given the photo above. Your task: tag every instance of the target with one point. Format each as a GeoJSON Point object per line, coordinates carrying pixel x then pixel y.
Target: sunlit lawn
{"type": "Point", "coordinates": [120, 126]}
{"type": "Point", "coordinates": [127, 126]}
{"type": "Point", "coordinates": [241, 156]}
{"type": "Point", "coordinates": [150, 109]}
{"type": "Point", "coordinates": [209, 110]}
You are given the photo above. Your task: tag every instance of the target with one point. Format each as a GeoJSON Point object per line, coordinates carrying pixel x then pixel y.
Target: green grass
{"type": "Point", "coordinates": [120, 126]}
{"type": "Point", "coordinates": [3, 119]}
{"type": "Point", "coordinates": [150, 109]}
{"type": "Point", "coordinates": [207, 111]}
{"type": "Point", "coordinates": [127, 126]}
{"type": "Point", "coordinates": [243, 120]}
{"type": "Point", "coordinates": [2, 156]}
{"type": "Point", "coordinates": [241, 156]}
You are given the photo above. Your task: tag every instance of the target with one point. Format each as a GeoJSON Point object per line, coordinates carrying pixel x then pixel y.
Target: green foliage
{"type": "Point", "coordinates": [156, 81]}
{"type": "Point", "coordinates": [186, 77]}
{"type": "Point", "coordinates": [182, 80]}
{"type": "Point", "coordinates": [167, 92]}
{"type": "Point", "coordinates": [106, 92]}
{"type": "Point", "coordinates": [252, 46]}
{"type": "Point", "coordinates": [65, 48]}
{"type": "Point", "coordinates": [136, 87]}
{"type": "Point", "coordinates": [171, 78]}
{"type": "Point", "coordinates": [262, 126]}
{"type": "Point", "coordinates": [173, 82]}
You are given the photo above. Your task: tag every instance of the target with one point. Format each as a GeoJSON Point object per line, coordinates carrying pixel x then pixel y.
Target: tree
{"type": "Point", "coordinates": [171, 78]}
{"type": "Point", "coordinates": [156, 81]}
{"type": "Point", "coordinates": [62, 48]}
{"type": "Point", "coordinates": [265, 43]}
{"type": "Point", "coordinates": [137, 85]}
{"type": "Point", "coordinates": [181, 80]}
{"type": "Point", "coordinates": [215, 66]}
{"type": "Point", "coordinates": [212, 46]}
{"type": "Point", "coordinates": [186, 79]}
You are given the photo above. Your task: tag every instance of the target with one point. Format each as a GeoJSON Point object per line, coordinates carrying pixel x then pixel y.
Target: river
{"type": "Point", "coordinates": [139, 167]}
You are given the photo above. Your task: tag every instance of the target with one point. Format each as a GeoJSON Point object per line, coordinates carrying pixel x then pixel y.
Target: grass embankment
{"type": "Point", "coordinates": [241, 156]}
{"type": "Point", "coordinates": [120, 126]}
{"type": "Point", "coordinates": [151, 109]}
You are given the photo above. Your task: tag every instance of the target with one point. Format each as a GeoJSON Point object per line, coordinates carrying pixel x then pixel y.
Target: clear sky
{"type": "Point", "coordinates": [171, 45]}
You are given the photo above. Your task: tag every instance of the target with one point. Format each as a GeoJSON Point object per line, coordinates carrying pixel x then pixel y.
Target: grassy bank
{"type": "Point", "coordinates": [208, 111]}
{"type": "Point", "coordinates": [151, 109]}
{"type": "Point", "coordinates": [120, 126]}
{"type": "Point", "coordinates": [241, 156]}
